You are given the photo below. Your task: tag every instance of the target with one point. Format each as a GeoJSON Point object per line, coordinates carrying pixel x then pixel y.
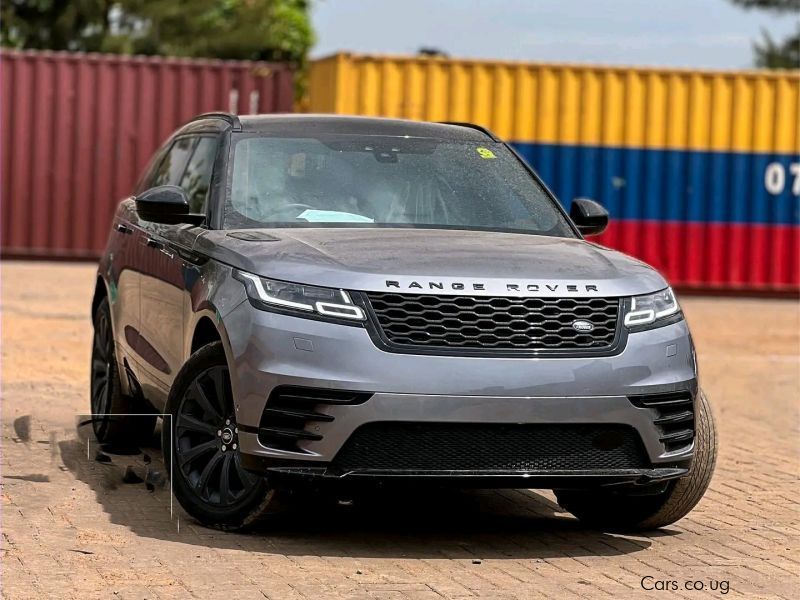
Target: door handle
{"type": "Point", "coordinates": [158, 245]}
{"type": "Point", "coordinates": [123, 228]}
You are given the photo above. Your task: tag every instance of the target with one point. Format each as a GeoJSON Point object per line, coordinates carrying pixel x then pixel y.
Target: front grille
{"type": "Point", "coordinates": [478, 447]}
{"type": "Point", "coordinates": [290, 410]}
{"type": "Point", "coordinates": [494, 323]}
{"type": "Point", "coordinates": [673, 415]}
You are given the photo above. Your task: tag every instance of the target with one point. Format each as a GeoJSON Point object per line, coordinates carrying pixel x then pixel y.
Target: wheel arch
{"type": "Point", "coordinates": [205, 332]}
{"type": "Point", "coordinates": [207, 327]}
{"type": "Point", "coordinates": [100, 292]}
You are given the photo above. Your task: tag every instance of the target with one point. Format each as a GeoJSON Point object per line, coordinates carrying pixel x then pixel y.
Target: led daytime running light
{"type": "Point", "coordinates": [345, 310]}
{"type": "Point", "coordinates": [645, 309]}
{"type": "Point", "coordinates": [264, 295]}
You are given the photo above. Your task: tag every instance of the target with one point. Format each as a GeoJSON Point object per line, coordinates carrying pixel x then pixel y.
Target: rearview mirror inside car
{"type": "Point", "coordinates": [591, 217]}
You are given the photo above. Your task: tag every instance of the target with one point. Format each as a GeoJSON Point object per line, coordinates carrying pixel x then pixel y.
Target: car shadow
{"type": "Point", "coordinates": [444, 523]}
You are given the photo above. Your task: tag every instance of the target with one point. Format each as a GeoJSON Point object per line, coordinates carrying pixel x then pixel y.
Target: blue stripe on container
{"type": "Point", "coordinates": [674, 185]}
{"type": "Point", "coordinates": [740, 175]}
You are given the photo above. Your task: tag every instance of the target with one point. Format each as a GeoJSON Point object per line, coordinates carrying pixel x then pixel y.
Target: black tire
{"type": "Point", "coordinates": [117, 419]}
{"type": "Point", "coordinates": [200, 443]}
{"type": "Point", "coordinates": [620, 510]}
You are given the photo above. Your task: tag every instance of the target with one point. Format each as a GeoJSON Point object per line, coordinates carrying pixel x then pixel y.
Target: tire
{"type": "Point", "coordinates": [117, 419]}
{"type": "Point", "coordinates": [200, 443]}
{"type": "Point", "coordinates": [620, 510]}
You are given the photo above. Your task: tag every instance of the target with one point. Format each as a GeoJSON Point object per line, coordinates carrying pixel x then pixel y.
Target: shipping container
{"type": "Point", "coordinates": [699, 170]}
{"type": "Point", "coordinates": [77, 130]}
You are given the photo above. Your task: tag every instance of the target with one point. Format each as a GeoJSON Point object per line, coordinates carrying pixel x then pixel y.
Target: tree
{"type": "Point", "coordinates": [771, 54]}
{"type": "Point", "coordinates": [54, 24]}
{"type": "Point", "coordinates": [275, 30]}
{"type": "Point", "coordinates": [778, 55]}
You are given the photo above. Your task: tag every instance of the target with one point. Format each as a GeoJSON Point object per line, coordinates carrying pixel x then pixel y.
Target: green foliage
{"type": "Point", "coordinates": [77, 25]}
{"type": "Point", "coordinates": [778, 55]}
{"type": "Point", "coordinates": [236, 29]}
{"type": "Point", "coordinates": [776, 6]}
{"type": "Point", "coordinates": [275, 30]}
{"type": "Point", "coordinates": [771, 54]}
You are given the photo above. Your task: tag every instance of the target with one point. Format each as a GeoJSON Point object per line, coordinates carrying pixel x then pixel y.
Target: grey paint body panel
{"type": "Point", "coordinates": [364, 259]}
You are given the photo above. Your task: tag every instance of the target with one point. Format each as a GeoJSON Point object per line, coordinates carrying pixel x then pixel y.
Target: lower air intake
{"type": "Point", "coordinates": [673, 415]}
{"type": "Point", "coordinates": [492, 448]}
{"type": "Point", "coordinates": [290, 410]}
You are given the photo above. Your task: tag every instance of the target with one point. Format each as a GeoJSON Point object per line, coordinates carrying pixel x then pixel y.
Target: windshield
{"type": "Point", "coordinates": [375, 181]}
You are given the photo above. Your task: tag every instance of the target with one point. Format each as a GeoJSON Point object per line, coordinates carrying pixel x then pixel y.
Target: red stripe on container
{"type": "Point", "coordinates": [6, 77]}
{"type": "Point", "coordinates": [18, 94]}
{"type": "Point", "coordinates": [41, 133]}
{"type": "Point", "coordinates": [104, 148]}
{"type": "Point", "coordinates": [736, 256]}
{"type": "Point", "coordinates": [126, 140]}
{"type": "Point", "coordinates": [63, 159]}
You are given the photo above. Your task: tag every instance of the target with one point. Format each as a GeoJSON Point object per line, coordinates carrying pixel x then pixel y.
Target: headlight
{"type": "Point", "coordinates": [652, 310]}
{"type": "Point", "coordinates": [298, 298]}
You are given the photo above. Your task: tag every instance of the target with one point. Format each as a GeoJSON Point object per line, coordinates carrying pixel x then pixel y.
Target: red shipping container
{"type": "Point", "coordinates": [77, 130]}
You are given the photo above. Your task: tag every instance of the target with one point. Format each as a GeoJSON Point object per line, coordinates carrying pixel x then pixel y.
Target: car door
{"type": "Point", "coordinates": [124, 272]}
{"type": "Point", "coordinates": [122, 275]}
{"type": "Point", "coordinates": [170, 271]}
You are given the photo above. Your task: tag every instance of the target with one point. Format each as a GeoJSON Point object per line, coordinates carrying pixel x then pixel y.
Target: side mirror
{"type": "Point", "coordinates": [167, 204]}
{"type": "Point", "coordinates": [590, 216]}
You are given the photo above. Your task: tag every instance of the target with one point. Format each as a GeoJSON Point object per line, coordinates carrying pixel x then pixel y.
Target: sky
{"type": "Point", "coordinates": [683, 33]}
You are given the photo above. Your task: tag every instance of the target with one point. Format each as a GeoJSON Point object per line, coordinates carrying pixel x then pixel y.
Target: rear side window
{"type": "Point", "coordinates": [197, 176]}
{"type": "Point", "coordinates": [170, 170]}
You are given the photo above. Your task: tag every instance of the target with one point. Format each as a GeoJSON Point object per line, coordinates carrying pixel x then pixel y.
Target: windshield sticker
{"type": "Point", "coordinates": [485, 153]}
{"type": "Point", "coordinates": [332, 216]}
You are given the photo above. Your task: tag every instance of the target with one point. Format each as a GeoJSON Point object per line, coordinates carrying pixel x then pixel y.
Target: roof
{"type": "Point", "coordinates": [310, 124]}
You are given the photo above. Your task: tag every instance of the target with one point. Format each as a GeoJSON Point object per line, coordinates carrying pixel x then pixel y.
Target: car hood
{"type": "Point", "coordinates": [433, 261]}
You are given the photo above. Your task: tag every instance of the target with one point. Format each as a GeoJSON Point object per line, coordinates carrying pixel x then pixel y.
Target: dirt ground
{"type": "Point", "coordinates": [72, 527]}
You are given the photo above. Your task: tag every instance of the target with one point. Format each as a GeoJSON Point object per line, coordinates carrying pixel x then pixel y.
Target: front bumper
{"type": "Point", "coordinates": [285, 475]}
{"type": "Point", "coordinates": [270, 350]}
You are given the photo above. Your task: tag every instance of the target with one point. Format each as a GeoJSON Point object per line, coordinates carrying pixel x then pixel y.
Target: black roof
{"type": "Point", "coordinates": [312, 124]}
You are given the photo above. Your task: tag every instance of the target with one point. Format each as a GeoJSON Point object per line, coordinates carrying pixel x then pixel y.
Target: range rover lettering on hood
{"type": "Point", "coordinates": [476, 286]}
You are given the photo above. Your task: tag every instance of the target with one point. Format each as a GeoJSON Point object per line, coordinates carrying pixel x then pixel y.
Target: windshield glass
{"type": "Point", "coordinates": [375, 181]}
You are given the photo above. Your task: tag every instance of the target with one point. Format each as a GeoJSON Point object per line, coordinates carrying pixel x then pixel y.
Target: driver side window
{"type": "Point", "coordinates": [197, 176]}
{"type": "Point", "coordinates": [170, 170]}
{"type": "Point", "coordinates": [188, 163]}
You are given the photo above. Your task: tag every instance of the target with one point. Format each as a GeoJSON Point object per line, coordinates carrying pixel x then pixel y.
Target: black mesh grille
{"type": "Point", "coordinates": [495, 323]}
{"type": "Point", "coordinates": [417, 447]}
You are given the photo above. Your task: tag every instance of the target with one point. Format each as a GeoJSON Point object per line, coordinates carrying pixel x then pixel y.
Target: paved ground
{"type": "Point", "coordinates": [72, 527]}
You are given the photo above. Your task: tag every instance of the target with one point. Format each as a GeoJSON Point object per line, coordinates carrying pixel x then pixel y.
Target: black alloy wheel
{"type": "Point", "coordinates": [102, 362]}
{"type": "Point", "coordinates": [207, 440]}
{"type": "Point", "coordinates": [118, 419]}
{"type": "Point", "coordinates": [200, 439]}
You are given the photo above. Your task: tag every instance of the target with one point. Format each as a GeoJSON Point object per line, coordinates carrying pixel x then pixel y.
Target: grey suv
{"type": "Point", "coordinates": [320, 300]}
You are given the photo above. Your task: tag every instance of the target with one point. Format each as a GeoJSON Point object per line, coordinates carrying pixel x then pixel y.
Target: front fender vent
{"type": "Point", "coordinates": [673, 415]}
{"type": "Point", "coordinates": [291, 410]}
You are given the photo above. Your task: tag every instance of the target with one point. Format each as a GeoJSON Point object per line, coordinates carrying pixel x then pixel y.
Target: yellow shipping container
{"type": "Point", "coordinates": [750, 111]}
{"type": "Point", "coordinates": [700, 170]}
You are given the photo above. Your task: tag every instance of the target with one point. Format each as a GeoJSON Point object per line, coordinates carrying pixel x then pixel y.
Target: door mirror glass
{"type": "Point", "coordinates": [590, 217]}
{"type": "Point", "coordinates": [166, 204]}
